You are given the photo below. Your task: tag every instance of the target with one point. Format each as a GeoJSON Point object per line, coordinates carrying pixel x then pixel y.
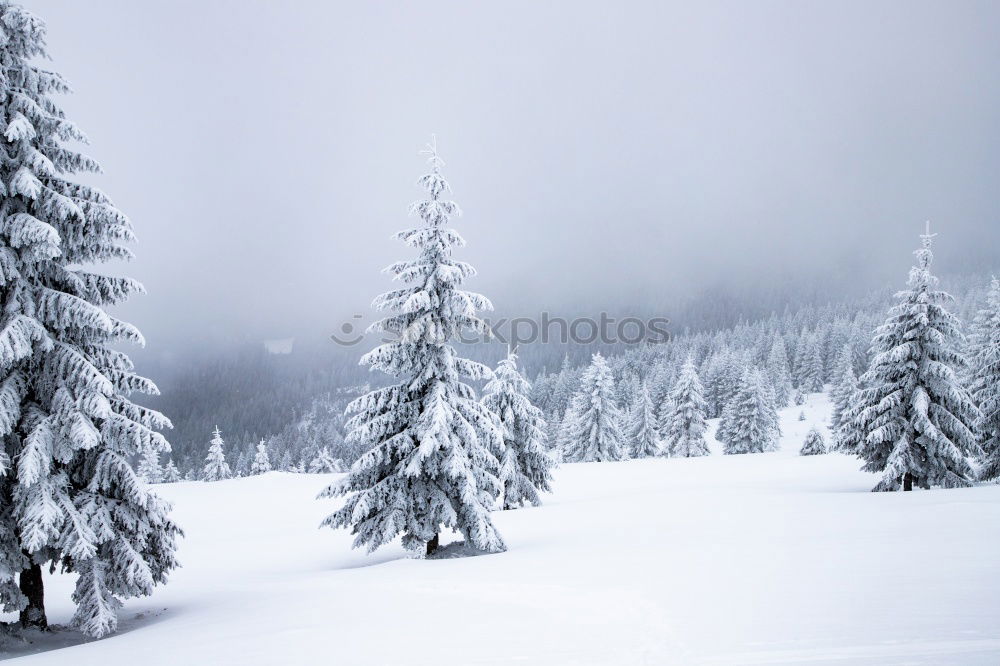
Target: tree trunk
{"type": "Point", "coordinates": [432, 545]}
{"type": "Point", "coordinates": [32, 587]}
{"type": "Point", "coordinates": [907, 481]}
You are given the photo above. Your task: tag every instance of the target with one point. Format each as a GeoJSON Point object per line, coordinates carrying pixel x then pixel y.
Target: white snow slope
{"type": "Point", "coordinates": [766, 558]}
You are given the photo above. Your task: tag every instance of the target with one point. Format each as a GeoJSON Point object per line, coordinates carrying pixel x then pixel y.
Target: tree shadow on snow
{"type": "Point", "coordinates": [456, 549]}
{"type": "Point", "coordinates": [363, 561]}
{"type": "Point", "coordinates": [17, 642]}
{"type": "Point", "coordinates": [453, 550]}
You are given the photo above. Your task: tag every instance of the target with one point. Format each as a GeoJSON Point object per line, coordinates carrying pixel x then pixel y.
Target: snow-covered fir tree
{"type": "Point", "coordinates": [540, 391]}
{"type": "Point", "coordinates": [325, 463]}
{"type": "Point", "coordinates": [216, 468]}
{"type": "Point", "coordinates": [814, 444]}
{"type": "Point", "coordinates": [564, 436]}
{"type": "Point", "coordinates": [261, 461]}
{"type": "Point", "coordinates": [627, 391]}
{"type": "Point", "coordinates": [552, 425]}
{"type": "Point", "coordinates": [811, 371]}
{"type": "Point", "coordinates": [149, 469]}
{"type": "Point", "coordinates": [563, 387]}
{"type": "Point", "coordinates": [170, 472]}
{"type": "Point", "coordinates": [663, 411]}
{"type": "Point", "coordinates": [914, 416]}
{"type": "Point", "coordinates": [684, 435]}
{"type": "Point", "coordinates": [596, 422]}
{"type": "Point", "coordinates": [984, 347]}
{"type": "Point", "coordinates": [749, 423]}
{"type": "Point", "coordinates": [844, 386]}
{"type": "Point", "coordinates": [431, 460]}
{"type": "Point", "coordinates": [319, 463]}
{"type": "Point", "coordinates": [242, 466]}
{"type": "Point", "coordinates": [798, 362]}
{"type": "Point", "coordinates": [722, 380]}
{"type": "Point", "coordinates": [777, 372]}
{"type": "Point", "coordinates": [525, 465]}
{"type": "Point", "coordinates": [848, 434]}
{"type": "Point", "coordinates": [661, 386]}
{"type": "Point", "coordinates": [711, 374]}
{"type": "Point", "coordinates": [68, 495]}
{"type": "Point", "coordinates": [643, 438]}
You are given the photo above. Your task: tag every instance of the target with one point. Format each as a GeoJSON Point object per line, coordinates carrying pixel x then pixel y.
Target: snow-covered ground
{"type": "Point", "coordinates": [767, 558]}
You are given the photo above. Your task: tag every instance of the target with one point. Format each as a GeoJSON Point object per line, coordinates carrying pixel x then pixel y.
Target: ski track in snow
{"type": "Point", "coordinates": [758, 559]}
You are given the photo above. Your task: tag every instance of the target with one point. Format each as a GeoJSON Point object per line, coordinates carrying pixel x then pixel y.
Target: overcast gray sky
{"type": "Point", "coordinates": [266, 151]}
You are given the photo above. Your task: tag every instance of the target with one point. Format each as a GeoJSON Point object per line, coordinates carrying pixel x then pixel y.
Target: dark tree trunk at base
{"type": "Point", "coordinates": [432, 545]}
{"type": "Point", "coordinates": [32, 587]}
{"type": "Point", "coordinates": [907, 481]}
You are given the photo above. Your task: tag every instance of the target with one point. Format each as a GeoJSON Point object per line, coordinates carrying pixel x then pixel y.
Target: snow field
{"type": "Point", "coordinates": [763, 558]}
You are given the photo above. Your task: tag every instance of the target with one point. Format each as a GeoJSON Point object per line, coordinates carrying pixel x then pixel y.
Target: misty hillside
{"type": "Point", "coordinates": [296, 400]}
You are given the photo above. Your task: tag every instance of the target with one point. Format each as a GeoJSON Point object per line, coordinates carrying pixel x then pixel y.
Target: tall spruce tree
{"type": "Point", "coordinates": [552, 427]}
{"type": "Point", "coordinates": [564, 435]}
{"type": "Point", "coordinates": [800, 362]}
{"type": "Point", "coordinates": [914, 416]}
{"type": "Point", "coordinates": [525, 465]}
{"type": "Point", "coordinates": [722, 382]}
{"type": "Point", "coordinates": [642, 432]}
{"type": "Point", "coordinates": [712, 374]}
{"type": "Point", "coordinates": [848, 434]}
{"type": "Point", "coordinates": [596, 421]}
{"type": "Point", "coordinates": [749, 423]}
{"type": "Point", "coordinates": [563, 386]}
{"type": "Point", "coordinates": [431, 460]}
{"type": "Point", "coordinates": [985, 361]}
{"type": "Point", "coordinates": [778, 373]}
{"type": "Point", "coordinates": [541, 391]}
{"type": "Point", "coordinates": [661, 385]}
{"type": "Point", "coordinates": [844, 386]}
{"type": "Point", "coordinates": [811, 370]}
{"type": "Point", "coordinates": [627, 389]}
{"type": "Point", "coordinates": [68, 495]}
{"type": "Point", "coordinates": [216, 468]}
{"type": "Point", "coordinates": [684, 436]}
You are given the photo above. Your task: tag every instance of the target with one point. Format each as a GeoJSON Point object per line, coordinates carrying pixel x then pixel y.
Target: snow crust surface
{"type": "Point", "coordinates": [747, 559]}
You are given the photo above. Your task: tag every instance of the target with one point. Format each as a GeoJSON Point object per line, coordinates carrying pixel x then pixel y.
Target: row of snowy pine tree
{"type": "Point", "coordinates": [811, 336]}
{"type": "Point", "coordinates": [924, 411]}
{"type": "Point", "coordinates": [216, 466]}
